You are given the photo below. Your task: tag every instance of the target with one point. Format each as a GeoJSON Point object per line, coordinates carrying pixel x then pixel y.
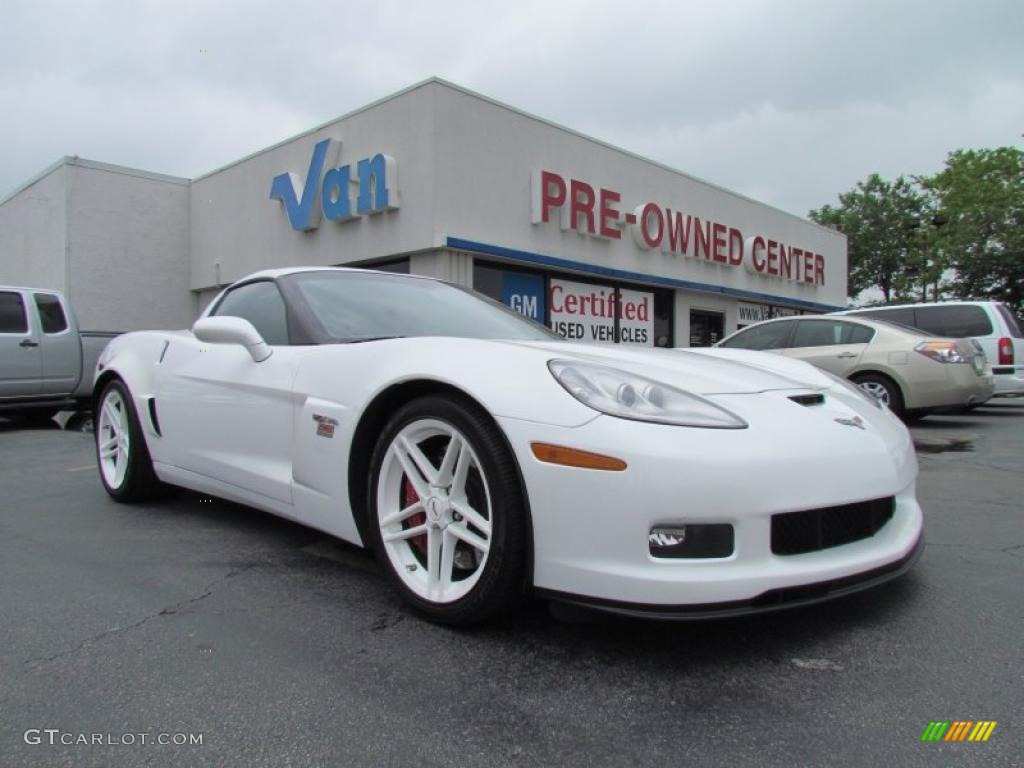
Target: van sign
{"type": "Point", "coordinates": [329, 194]}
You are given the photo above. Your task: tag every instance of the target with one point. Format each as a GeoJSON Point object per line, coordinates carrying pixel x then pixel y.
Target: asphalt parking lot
{"type": "Point", "coordinates": [282, 647]}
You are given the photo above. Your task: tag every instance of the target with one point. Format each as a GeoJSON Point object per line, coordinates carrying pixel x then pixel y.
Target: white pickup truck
{"type": "Point", "coordinates": [46, 362]}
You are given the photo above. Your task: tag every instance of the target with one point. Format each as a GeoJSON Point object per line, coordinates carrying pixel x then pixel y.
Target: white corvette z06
{"type": "Point", "coordinates": [484, 459]}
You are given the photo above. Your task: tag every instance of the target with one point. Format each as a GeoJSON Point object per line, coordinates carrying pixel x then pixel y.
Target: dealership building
{"type": "Point", "coordinates": [598, 243]}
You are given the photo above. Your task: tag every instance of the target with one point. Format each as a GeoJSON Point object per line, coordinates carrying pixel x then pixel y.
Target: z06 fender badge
{"type": "Point", "coordinates": [856, 421]}
{"type": "Point", "coordinates": [325, 425]}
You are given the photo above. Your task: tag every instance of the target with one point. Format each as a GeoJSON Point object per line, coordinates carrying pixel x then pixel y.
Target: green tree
{"type": "Point", "coordinates": [981, 192]}
{"type": "Point", "coordinates": [881, 221]}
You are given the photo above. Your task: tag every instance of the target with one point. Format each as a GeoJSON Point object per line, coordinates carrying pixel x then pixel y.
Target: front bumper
{"type": "Point", "coordinates": [1009, 380]}
{"type": "Point", "coordinates": [590, 528]}
{"type": "Point", "coordinates": [772, 600]}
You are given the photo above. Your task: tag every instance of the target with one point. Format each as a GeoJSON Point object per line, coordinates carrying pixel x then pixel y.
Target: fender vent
{"type": "Point", "coordinates": [816, 399]}
{"type": "Point", "coordinates": [151, 404]}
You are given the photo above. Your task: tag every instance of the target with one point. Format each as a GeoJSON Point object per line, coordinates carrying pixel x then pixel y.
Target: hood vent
{"type": "Point", "coordinates": [815, 399]}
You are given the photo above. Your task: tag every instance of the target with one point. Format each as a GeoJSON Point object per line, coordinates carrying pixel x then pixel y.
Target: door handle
{"type": "Point", "coordinates": [846, 355]}
{"type": "Point", "coordinates": [28, 343]}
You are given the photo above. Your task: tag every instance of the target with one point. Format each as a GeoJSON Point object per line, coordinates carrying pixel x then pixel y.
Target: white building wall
{"type": "Point", "coordinates": [453, 266]}
{"type": "Point", "coordinates": [128, 240]}
{"type": "Point", "coordinates": [237, 225]}
{"type": "Point", "coordinates": [33, 232]}
{"type": "Point", "coordinates": [485, 156]}
{"type": "Point", "coordinates": [138, 250]}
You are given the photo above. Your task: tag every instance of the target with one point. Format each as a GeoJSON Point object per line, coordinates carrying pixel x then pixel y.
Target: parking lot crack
{"type": "Point", "coordinates": [169, 610]}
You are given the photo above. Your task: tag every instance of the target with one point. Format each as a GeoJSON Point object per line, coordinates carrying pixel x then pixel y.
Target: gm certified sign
{"type": "Point", "coordinates": [330, 194]}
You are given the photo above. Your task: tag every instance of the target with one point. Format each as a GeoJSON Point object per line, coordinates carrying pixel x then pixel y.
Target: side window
{"type": "Point", "coordinates": [51, 313]}
{"type": "Point", "coordinates": [854, 333]}
{"type": "Point", "coordinates": [12, 313]}
{"type": "Point", "coordinates": [1011, 322]}
{"type": "Point", "coordinates": [818, 333]}
{"type": "Point", "coordinates": [766, 336]}
{"type": "Point", "coordinates": [261, 304]}
{"type": "Point", "coordinates": [956, 321]}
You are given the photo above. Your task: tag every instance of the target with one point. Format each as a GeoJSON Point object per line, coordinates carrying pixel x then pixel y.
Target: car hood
{"type": "Point", "coordinates": [701, 371]}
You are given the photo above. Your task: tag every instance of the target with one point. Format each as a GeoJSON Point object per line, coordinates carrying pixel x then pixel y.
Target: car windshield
{"type": "Point", "coordinates": [361, 306]}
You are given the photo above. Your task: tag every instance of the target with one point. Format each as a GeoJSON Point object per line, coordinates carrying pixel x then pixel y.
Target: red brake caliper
{"type": "Point", "coordinates": [409, 496]}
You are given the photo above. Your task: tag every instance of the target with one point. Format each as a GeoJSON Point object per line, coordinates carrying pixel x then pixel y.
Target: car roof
{"type": "Point", "coordinates": [871, 322]}
{"type": "Point", "coordinates": [32, 289]}
{"type": "Point", "coordinates": [887, 307]}
{"type": "Point", "coordinates": [284, 271]}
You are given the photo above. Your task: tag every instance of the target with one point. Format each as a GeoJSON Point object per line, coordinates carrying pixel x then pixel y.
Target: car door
{"type": "Point", "coordinates": [832, 345]}
{"type": "Point", "coordinates": [21, 366]}
{"type": "Point", "coordinates": [61, 349]}
{"type": "Point", "coordinates": [222, 414]}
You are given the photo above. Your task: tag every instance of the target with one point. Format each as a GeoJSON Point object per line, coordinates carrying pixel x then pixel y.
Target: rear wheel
{"type": "Point", "coordinates": [125, 466]}
{"type": "Point", "coordinates": [446, 512]}
{"type": "Point", "coordinates": [883, 389]}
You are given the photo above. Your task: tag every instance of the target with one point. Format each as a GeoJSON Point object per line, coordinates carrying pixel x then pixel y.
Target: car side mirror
{"type": "Point", "coordinates": [232, 330]}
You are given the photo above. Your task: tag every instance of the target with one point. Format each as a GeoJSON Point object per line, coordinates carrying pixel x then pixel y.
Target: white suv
{"type": "Point", "coordinates": [990, 323]}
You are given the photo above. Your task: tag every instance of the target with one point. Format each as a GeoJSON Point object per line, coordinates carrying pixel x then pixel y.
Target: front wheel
{"type": "Point", "coordinates": [447, 514]}
{"type": "Point", "coordinates": [125, 466]}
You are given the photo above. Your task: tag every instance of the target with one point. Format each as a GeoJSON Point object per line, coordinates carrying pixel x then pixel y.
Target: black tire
{"type": "Point", "coordinates": [892, 391]}
{"type": "Point", "coordinates": [139, 482]}
{"type": "Point", "coordinates": [912, 417]}
{"type": "Point", "coordinates": [500, 586]}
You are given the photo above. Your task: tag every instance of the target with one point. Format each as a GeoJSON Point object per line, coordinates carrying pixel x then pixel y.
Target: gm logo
{"type": "Point", "coordinates": [330, 194]}
{"type": "Point", "coordinates": [958, 730]}
{"type": "Point", "coordinates": [524, 293]}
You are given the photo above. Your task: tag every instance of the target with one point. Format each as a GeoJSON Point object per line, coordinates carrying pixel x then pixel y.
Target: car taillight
{"type": "Point", "coordinates": [941, 351]}
{"type": "Point", "coordinates": [1005, 351]}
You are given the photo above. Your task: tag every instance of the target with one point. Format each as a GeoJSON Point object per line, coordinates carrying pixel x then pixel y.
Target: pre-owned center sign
{"type": "Point", "coordinates": [588, 313]}
{"type": "Point", "coordinates": [589, 211]}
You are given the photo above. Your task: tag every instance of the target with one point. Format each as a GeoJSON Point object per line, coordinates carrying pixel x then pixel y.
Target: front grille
{"type": "Point", "coordinates": [794, 533]}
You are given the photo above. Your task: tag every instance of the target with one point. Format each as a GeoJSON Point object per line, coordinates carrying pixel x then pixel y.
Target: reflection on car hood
{"type": "Point", "coordinates": [702, 371]}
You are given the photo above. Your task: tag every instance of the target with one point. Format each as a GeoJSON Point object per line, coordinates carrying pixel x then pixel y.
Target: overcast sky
{"type": "Point", "coordinates": [788, 101]}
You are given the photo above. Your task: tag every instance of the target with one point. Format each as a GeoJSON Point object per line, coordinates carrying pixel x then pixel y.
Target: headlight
{"type": "Point", "coordinates": [942, 351]}
{"type": "Point", "coordinates": [854, 388]}
{"type": "Point", "coordinates": [628, 396]}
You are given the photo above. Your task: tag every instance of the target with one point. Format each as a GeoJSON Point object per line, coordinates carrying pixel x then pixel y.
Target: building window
{"type": "Point", "coordinates": [706, 328]}
{"type": "Point", "coordinates": [581, 309]}
{"type": "Point", "coordinates": [524, 291]}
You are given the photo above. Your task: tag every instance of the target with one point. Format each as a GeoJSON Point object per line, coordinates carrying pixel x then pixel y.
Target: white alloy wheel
{"type": "Point", "coordinates": [434, 510]}
{"type": "Point", "coordinates": [113, 438]}
{"type": "Point", "coordinates": [877, 390]}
